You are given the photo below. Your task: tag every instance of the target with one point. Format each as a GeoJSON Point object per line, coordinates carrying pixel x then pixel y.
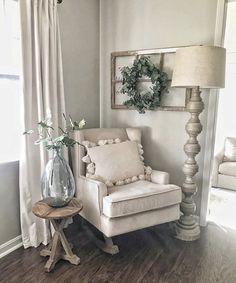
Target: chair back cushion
{"type": "Point", "coordinates": [94, 135]}
{"type": "Point", "coordinates": [230, 149]}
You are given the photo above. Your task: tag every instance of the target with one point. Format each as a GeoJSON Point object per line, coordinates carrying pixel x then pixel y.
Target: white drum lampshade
{"type": "Point", "coordinates": [202, 66]}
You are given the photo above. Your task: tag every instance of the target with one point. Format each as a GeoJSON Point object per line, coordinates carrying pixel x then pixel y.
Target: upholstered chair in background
{"type": "Point", "coordinates": [224, 167]}
{"type": "Point", "coordinates": [119, 194]}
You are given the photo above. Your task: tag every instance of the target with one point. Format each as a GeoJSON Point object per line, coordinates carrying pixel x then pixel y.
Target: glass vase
{"type": "Point", "coordinates": [57, 182]}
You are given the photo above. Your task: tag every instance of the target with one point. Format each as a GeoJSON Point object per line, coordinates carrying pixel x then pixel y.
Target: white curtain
{"type": "Point", "coordinates": [43, 95]}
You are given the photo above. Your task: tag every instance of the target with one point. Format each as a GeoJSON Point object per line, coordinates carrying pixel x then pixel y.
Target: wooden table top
{"type": "Point", "coordinates": [43, 210]}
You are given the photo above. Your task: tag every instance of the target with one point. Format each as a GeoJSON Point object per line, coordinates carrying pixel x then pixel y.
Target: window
{"type": "Point", "coordinates": [10, 91]}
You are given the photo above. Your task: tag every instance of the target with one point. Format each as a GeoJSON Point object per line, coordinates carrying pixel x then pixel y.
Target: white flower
{"type": "Point", "coordinates": [82, 123]}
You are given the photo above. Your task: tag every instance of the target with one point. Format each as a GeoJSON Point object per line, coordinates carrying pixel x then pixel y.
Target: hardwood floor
{"type": "Point", "coordinates": [149, 255]}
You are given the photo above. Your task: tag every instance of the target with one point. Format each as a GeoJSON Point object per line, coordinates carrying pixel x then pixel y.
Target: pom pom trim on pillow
{"type": "Point", "coordinates": [91, 166]}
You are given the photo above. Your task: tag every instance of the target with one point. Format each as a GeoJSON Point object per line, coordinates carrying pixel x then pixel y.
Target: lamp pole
{"type": "Point", "coordinates": [187, 227]}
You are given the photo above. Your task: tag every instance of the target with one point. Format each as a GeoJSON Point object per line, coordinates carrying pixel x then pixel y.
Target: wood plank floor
{"type": "Point", "coordinates": [149, 255]}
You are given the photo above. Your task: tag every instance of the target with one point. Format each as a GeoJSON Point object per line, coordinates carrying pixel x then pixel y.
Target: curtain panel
{"type": "Point", "coordinates": [43, 96]}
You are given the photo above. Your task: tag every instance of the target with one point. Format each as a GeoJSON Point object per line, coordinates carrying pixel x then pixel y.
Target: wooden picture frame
{"type": "Point", "coordinates": [164, 59]}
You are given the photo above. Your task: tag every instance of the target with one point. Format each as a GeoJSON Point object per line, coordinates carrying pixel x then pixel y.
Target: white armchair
{"type": "Point", "coordinates": [121, 209]}
{"type": "Point", "coordinates": [224, 166]}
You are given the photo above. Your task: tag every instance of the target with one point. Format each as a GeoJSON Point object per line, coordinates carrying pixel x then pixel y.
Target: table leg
{"type": "Point", "coordinates": [56, 247]}
{"type": "Point", "coordinates": [46, 251]}
{"type": "Point", "coordinates": [72, 258]}
{"type": "Point", "coordinates": [54, 253]}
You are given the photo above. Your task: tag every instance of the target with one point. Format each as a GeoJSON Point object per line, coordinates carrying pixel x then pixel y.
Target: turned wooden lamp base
{"type": "Point", "coordinates": [185, 234]}
{"type": "Point", "coordinates": [59, 248]}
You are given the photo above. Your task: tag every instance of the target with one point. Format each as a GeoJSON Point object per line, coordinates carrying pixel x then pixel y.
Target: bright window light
{"type": "Point", "coordinates": [223, 201]}
{"type": "Point", "coordinates": [9, 81]}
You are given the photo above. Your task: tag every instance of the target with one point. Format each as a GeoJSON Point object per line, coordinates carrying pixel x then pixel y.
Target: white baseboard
{"type": "Point", "coordinates": [10, 246]}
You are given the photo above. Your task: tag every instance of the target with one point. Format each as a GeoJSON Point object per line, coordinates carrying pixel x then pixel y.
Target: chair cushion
{"type": "Point", "coordinates": [116, 162]}
{"type": "Point", "coordinates": [230, 149]}
{"type": "Point", "coordinates": [138, 197]}
{"type": "Point", "coordinates": [228, 168]}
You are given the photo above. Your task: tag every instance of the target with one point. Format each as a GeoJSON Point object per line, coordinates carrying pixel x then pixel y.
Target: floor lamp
{"type": "Point", "coordinates": [195, 67]}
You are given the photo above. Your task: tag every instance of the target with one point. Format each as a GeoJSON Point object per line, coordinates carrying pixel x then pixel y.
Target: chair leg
{"type": "Point", "coordinates": [106, 245]}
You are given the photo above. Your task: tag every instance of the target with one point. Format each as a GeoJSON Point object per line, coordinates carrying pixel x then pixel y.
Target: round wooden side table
{"type": "Point", "coordinates": [58, 248]}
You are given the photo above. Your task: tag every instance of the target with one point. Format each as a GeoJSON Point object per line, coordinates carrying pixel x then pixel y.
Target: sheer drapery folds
{"type": "Point", "coordinates": [43, 96]}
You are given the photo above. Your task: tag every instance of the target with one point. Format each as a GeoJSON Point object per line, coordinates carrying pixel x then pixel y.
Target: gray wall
{"type": "Point", "coordinates": [138, 24]}
{"type": "Point", "coordinates": [9, 201]}
{"type": "Point", "coordinates": [79, 22]}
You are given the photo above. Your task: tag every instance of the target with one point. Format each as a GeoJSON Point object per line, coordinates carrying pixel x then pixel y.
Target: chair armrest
{"type": "Point", "coordinates": [218, 159]}
{"type": "Point", "coordinates": [91, 192]}
{"type": "Point", "coordinates": [160, 177]}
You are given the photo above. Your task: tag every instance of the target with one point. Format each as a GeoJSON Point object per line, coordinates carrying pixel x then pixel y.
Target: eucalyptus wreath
{"type": "Point", "coordinates": [151, 99]}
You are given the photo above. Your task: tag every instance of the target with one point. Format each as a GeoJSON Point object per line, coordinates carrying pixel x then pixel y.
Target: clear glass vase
{"type": "Point", "coordinates": [57, 182]}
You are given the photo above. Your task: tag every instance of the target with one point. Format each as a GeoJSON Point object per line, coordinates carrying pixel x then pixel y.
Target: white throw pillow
{"type": "Point", "coordinates": [230, 149]}
{"type": "Point", "coordinates": [116, 163]}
